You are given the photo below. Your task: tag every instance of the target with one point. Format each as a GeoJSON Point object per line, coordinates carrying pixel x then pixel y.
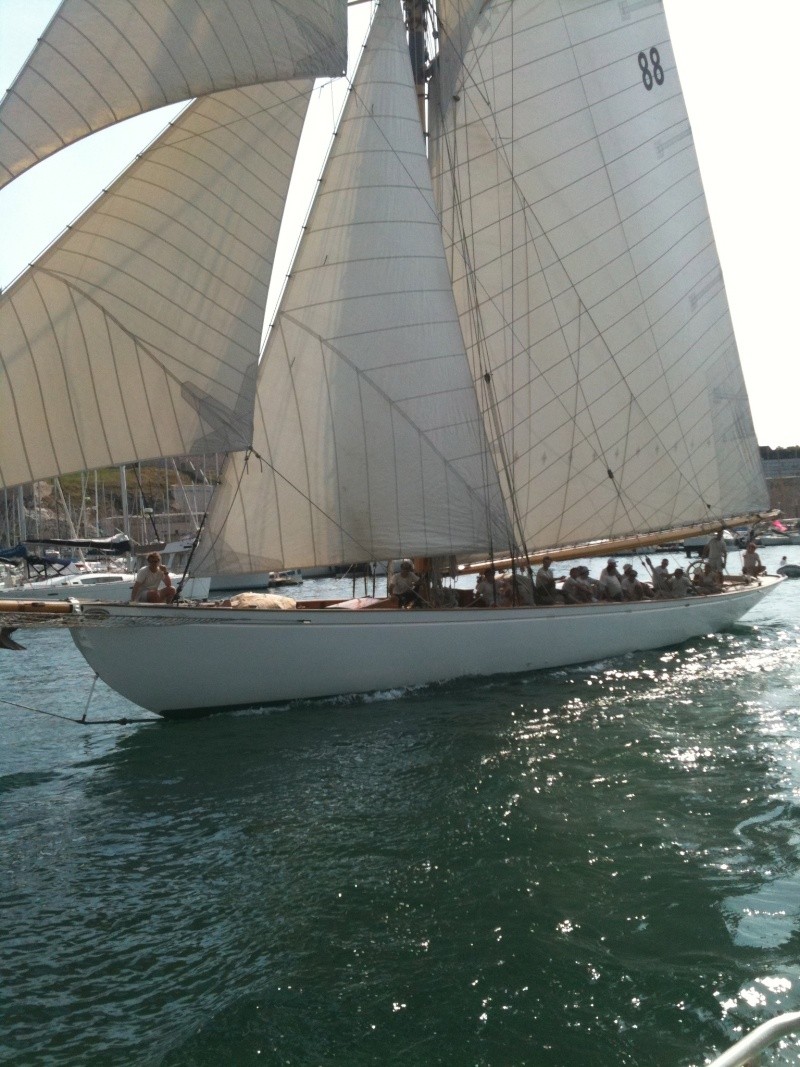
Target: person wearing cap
{"type": "Point", "coordinates": [575, 590]}
{"type": "Point", "coordinates": [149, 580]}
{"type": "Point", "coordinates": [403, 585]}
{"type": "Point", "coordinates": [610, 585]}
{"type": "Point", "coordinates": [681, 586]}
{"type": "Point", "coordinates": [586, 584]}
{"type": "Point", "coordinates": [632, 588]}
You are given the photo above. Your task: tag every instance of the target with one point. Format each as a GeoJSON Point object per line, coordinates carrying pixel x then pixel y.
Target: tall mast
{"type": "Point", "coordinates": [416, 12]}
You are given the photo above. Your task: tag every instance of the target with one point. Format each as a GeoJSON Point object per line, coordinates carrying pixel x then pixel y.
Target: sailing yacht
{"type": "Point", "coordinates": [504, 334]}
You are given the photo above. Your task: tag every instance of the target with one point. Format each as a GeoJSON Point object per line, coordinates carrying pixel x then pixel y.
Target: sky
{"type": "Point", "coordinates": [739, 73]}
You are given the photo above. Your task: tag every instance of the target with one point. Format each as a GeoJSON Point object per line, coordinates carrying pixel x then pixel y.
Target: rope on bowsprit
{"type": "Point", "coordinates": [82, 721]}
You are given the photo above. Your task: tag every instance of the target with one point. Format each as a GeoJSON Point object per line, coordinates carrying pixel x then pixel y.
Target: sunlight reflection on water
{"type": "Point", "coordinates": [600, 865]}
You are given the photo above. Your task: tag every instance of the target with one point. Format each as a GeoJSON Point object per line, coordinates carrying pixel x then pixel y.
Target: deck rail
{"type": "Point", "coordinates": [742, 1053]}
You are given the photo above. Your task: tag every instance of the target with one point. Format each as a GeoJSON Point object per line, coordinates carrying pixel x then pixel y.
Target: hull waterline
{"type": "Point", "coordinates": [192, 660]}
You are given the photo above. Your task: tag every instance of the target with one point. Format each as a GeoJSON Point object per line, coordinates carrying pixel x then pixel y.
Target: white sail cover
{"type": "Point", "coordinates": [136, 334]}
{"type": "Point", "coordinates": [99, 63]}
{"type": "Point", "coordinates": [585, 270]}
{"type": "Point", "coordinates": [367, 425]}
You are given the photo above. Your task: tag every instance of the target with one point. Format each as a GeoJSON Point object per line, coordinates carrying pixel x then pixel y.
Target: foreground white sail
{"type": "Point", "coordinates": [175, 661]}
{"type": "Point", "coordinates": [367, 426]}
{"type": "Point", "coordinates": [96, 65]}
{"type": "Point", "coordinates": [136, 334]}
{"type": "Point", "coordinates": [585, 270]}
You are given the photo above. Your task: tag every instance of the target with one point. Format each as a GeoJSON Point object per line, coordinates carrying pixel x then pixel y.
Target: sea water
{"type": "Point", "coordinates": [591, 866]}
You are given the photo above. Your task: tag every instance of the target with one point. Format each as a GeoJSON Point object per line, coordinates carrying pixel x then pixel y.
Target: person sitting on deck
{"type": "Point", "coordinates": [707, 580]}
{"type": "Point", "coordinates": [680, 585]}
{"type": "Point", "coordinates": [661, 579]}
{"type": "Point", "coordinates": [545, 589]}
{"type": "Point", "coordinates": [610, 585]}
{"type": "Point", "coordinates": [146, 586]}
{"type": "Point", "coordinates": [751, 562]}
{"type": "Point", "coordinates": [487, 588]}
{"type": "Point", "coordinates": [505, 591]}
{"type": "Point", "coordinates": [632, 588]}
{"type": "Point", "coordinates": [586, 585]}
{"type": "Point", "coordinates": [403, 585]}
{"type": "Point", "coordinates": [571, 588]}
{"type": "Point", "coordinates": [519, 589]}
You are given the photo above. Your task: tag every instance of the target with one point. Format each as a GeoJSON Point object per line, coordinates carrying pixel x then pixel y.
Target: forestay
{"type": "Point", "coordinates": [585, 270]}
{"type": "Point", "coordinates": [367, 425]}
{"type": "Point", "coordinates": [136, 335]}
{"type": "Point", "coordinates": [96, 64]}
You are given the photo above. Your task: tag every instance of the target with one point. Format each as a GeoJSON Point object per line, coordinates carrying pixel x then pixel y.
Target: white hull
{"type": "Point", "coordinates": [111, 588]}
{"type": "Point", "coordinates": [253, 580]}
{"type": "Point", "coordinates": [182, 660]}
{"type": "Point", "coordinates": [239, 582]}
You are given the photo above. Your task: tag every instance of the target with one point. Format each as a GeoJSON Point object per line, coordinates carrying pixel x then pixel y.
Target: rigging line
{"type": "Point", "coordinates": [401, 164]}
{"type": "Point", "coordinates": [137, 472]}
{"type": "Point", "coordinates": [642, 302]}
{"type": "Point", "coordinates": [234, 496]}
{"type": "Point", "coordinates": [312, 505]}
{"type": "Point", "coordinates": [484, 370]}
{"type": "Point", "coordinates": [478, 373]}
{"type": "Point", "coordinates": [466, 243]}
{"type": "Point", "coordinates": [190, 557]}
{"type": "Point", "coordinates": [470, 269]}
{"type": "Point", "coordinates": [260, 418]}
{"type": "Point", "coordinates": [487, 465]}
{"type": "Point", "coordinates": [483, 367]}
{"type": "Point", "coordinates": [576, 360]}
{"type": "Point", "coordinates": [363, 375]}
{"type": "Point", "coordinates": [507, 467]}
{"type": "Point", "coordinates": [310, 209]}
{"type": "Point", "coordinates": [497, 140]}
{"type": "Point", "coordinates": [153, 353]}
{"type": "Point", "coordinates": [83, 721]}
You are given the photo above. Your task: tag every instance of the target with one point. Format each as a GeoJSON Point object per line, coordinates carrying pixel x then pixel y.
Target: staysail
{"type": "Point", "coordinates": [367, 431]}
{"type": "Point", "coordinates": [585, 272]}
{"type": "Point", "coordinates": [98, 64]}
{"type": "Point", "coordinates": [136, 334]}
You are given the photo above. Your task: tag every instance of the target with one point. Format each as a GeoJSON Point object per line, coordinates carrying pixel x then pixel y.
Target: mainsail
{"type": "Point", "coordinates": [585, 272]}
{"type": "Point", "coordinates": [97, 64]}
{"type": "Point", "coordinates": [136, 334]}
{"type": "Point", "coordinates": [367, 429]}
